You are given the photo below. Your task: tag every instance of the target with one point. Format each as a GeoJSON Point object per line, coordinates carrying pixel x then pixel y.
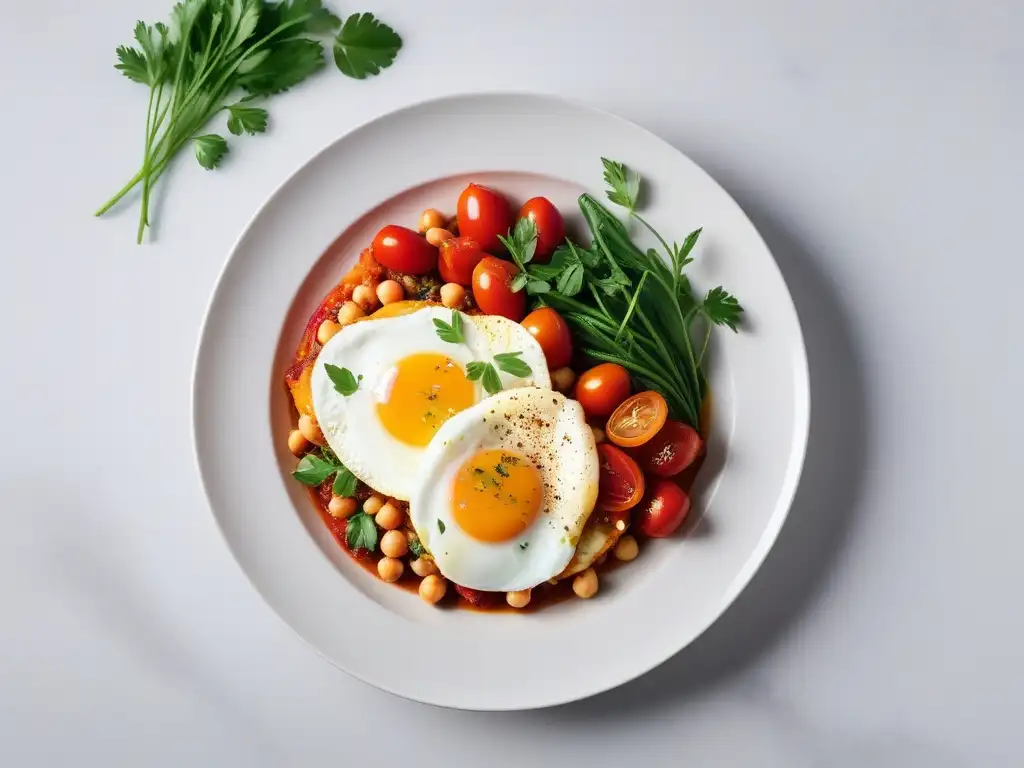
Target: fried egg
{"type": "Point", "coordinates": [408, 383]}
{"type": "Point", "coordinates": [505, 490]}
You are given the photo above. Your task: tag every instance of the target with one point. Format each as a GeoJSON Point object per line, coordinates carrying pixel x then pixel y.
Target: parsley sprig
{"type": "Point", "coordinates": [211, 49]}
{"type": "Point", "coordinates": [344, 381]}
{"type": "Point", "coordinates": [633, 307]}
{"type": "Point", "coordinates": [314, 470]}
{"type": "Point", "coordinates": [477, 370]}
{"type": "Point", "coordinates": [521, 245]}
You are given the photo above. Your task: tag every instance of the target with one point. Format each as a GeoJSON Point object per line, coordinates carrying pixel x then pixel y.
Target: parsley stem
{"type": "Point", "coordinates": [653, 231]}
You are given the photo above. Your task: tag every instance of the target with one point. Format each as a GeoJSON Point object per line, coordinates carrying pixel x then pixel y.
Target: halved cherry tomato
{"type": "Point", "coordinates": [459, 257]}
{"type": "Point", "coordinates": [621, 485]}
{"type": "Point", "coordinates": [550, 226]}
{"type": "Point", "coordinates": [672, 450]}
{"type": "Point", "coordinates": [664, 510]}
{"type": "Point", "coordinates": [491, 278]}
{"type": "Point", "coordinates": [637, 420]}
{"type": "Point", "coordinates": [602, 388]}
{"type": "Point", "coordinates": [484, 214]}
{"type": "Point", "coordinates": [403, 250]}
{"type": "Point", "coordinates": [552, 333]}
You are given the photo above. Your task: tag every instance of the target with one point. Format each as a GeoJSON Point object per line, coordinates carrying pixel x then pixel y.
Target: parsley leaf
{"type": "Point", "coordinates": [511, 364]}
{"type": "Point", "coordinates": [625, 185]}
{"type": "Point", "coordinates": [722, 308]}
{"type": "Point", "coordinates": [313, 470]}
{"type": "Point", "coordinates": [560, 259]}
{"type": "Point", "coordinates": [533, 287]}
{"type": "Point", "coordinates": [521, 242]}
{"type": "Point", "coordinates": [364, 46]}
{"type": "Point", "coordinates": [450, 332]}
{"type": "Point", "coordinates": [133, 64]}
{"type": "Point", "coordinates": [344, 382]}
{"type": "Point", "coordinates": [250, 120]}
{"type": "Point", "coordinates": [519, 282]}
{"type": "Point", "coordinates": [303, 15]}
{"type": "Point", "coordinates": [286, 65]}
{"type": "Point", "coordinates": [361, 532]}
{"type": "Point", "coordinates": [570, 282]}
{"type": "Point", "coordinates": [210, 150]}
{"type": "Point", "coordinates": [491, 380]}
{"type": "Point", "coordinates": [440, 525]}
{"type": "Point", "coordinates": [345, 482]}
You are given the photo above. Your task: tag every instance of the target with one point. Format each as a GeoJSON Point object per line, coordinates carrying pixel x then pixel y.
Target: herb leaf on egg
{"type": "Point", "coordinates": [485, 374]}
{"type": "Point", "coordinates": [450, 332]}
{"type": "Point", "coordinates": [361, 532]}
{"type": "Point", "coordinates": [440, 525]}
{"type": "Point", "coordinates": [512, 364]}
{"type": "Point", "coordinates": [344, 381]}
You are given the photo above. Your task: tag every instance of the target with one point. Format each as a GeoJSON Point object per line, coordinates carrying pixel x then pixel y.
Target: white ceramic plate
{"type": "Point", "coordinates": [299, 244]}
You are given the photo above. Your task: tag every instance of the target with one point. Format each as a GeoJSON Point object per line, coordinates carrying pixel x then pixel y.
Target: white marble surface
{"type": "Point", "coordinates": [878, 147]}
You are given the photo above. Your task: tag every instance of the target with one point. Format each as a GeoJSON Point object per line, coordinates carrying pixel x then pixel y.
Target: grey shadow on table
{"type": "Point", "coordinates": [797, 569]}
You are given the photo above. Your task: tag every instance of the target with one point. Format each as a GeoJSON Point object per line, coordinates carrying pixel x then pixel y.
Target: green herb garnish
{"type": "Point", "coordinates": [314, 470]}
{"type": "Point", "coordinates": [513, 365]}
{"type": "Point", "coordinates": [500, 469]}
{"type": "Point", "coordinates": [344, 381]}
{"type": "Point", "coordinates": [416, 548]}
{"type": "Point", "coordinates": [450, 332]}
{"type": "Point", "coordinates": [440, 525]}
{"type": "Point", "coordinates": [211, 49]}
{"type": "Point", "coordinates": [486, 374]}
{"type": "Point", "coordinates": [361, 532]}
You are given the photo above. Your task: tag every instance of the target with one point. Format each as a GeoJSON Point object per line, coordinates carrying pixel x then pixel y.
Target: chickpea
{"type": "Point", "coordinates": [350, 312]}
{"type": "Point", "coordinates": [390, 569]}
{"type": "Point", "coordinates": [373, 504]}
{"type": "Point", "coordinates": [327, 330]}
{"type": "Point", "coordinates": [519, 599]}
{"type": "Point", "coordinates": [339, 506]}
{"type": "Point", "coordinates": [436, 236]}
{"type": "Point", "coordinates": [364, 296]}
{"type": "Point", "coordinates": [431, 219]}
{"type": "Point", "coordinates": [390, 517]}
{"type": "Point", "coordinates": [452, 295]}
{"type": "Point", "coordinates": [297, 442]}
{"type": "Point", "coordinates": [562, 379]}
{"type": "Point", "coordinates": [626, 549]}
{"type": "Point", "coordinates": [394, 544]}
{"type": "Point", "coordinates": [598, 434]}
{"type": "Point", "coordinates": [390, 291]}
{"type": "Point", "coordinates": [310, 429]}
{"type": "Point", "coordinates": [585, 585]}
{"type": "Point", "coordinates": [424, 566]}
{"type": "Point", "coordinates": [432, 588]}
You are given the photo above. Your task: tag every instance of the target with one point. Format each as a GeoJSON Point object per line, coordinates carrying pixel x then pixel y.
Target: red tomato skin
{"type": "Point", "coordinates": [458, 258]}
{"type": "Point", "coordinates": [403, 250]}
{"type": "Point", "coordinates": [491, 290]}
{"type": "Point", "coordinates": [617, 465]}
{"type": "Point", "coordinates": [550, 226]}
{"type": "Point", "coordinates": [483, 214]}
{"type": "Point", "coordinates": [673, 449]}
{"type": "Point", "coordinates": [663, 511]}
{"type": "Point", "coordinates": [552, 333]}
{"type": "Point", "coordinates": [602, 389]}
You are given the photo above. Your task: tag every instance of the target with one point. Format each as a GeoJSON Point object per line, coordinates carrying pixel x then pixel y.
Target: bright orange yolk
{"type": "Point", "coordinates": [419, 394]}
{"type": "Point", "coordinates": [497, 495]}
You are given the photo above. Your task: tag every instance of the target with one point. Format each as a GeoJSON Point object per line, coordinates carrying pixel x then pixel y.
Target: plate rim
{"type": "Point", "coordinates": [802, 396]}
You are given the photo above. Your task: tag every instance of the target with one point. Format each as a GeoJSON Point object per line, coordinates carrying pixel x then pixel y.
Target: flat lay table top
{"type": "Point", "coordinates": [875, 147]}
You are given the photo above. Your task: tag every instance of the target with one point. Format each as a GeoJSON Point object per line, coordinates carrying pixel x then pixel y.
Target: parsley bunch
{"type": "Point", "coordinates": [632, 307]}
{"type": "Point", "coordinates": [213, 48]}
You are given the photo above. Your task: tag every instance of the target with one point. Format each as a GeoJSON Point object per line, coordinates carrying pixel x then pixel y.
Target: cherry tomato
{"type": "Point", "coordinates": [550, 226]}
{"type": "Point", "coordinates": [484, 214]}
{"type": "Point", "coordinates": [459, 257]}
{"type": "Point", "coordinates": [637, 419]}
{"type": "Point", "coordinates": [672, 450]}
{"type": "Point", "coordinates": [602, 388]}
{"type": "Point", "coordinates": [663, 510]}
{"type": "Point", "coordinates": [403, 250]}
{"type": "Point", "coordinates": [621, 485]}
{"type": "Point", "coordinates": [491, 278]}
{"type": "Point", "coordinates": [552, 333]}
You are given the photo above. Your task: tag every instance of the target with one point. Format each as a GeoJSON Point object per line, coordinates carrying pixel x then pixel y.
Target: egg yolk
{"type": "Point", "coordinates": [496, 496]}
{"type": "Point", "coordinates": [419, 394]}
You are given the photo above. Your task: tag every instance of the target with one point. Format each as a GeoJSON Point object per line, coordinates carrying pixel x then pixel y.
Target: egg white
{"type": "Point", "coordinates": [552, 432]}
{"type": "Point", "coordinates": [370, 349]}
